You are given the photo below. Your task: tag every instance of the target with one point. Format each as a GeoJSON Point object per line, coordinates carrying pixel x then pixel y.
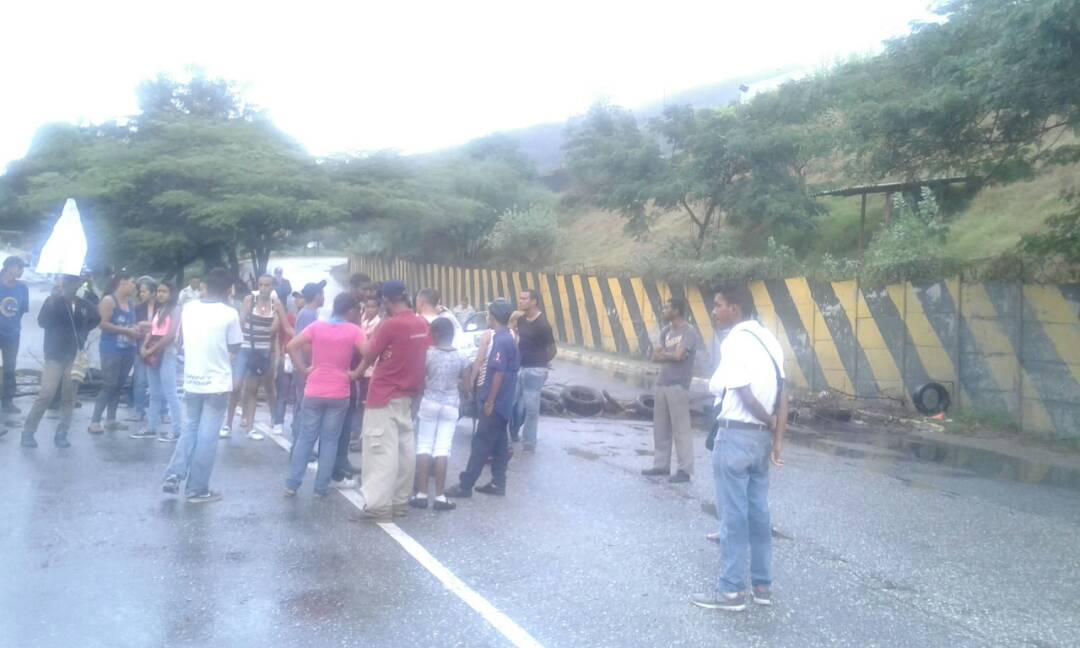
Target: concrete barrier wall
{"type": "Point", "coordinates": [997, 346]}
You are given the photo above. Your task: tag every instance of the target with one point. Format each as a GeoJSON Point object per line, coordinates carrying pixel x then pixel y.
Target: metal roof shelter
{"type": "Point", "coordinates": [888, 188]}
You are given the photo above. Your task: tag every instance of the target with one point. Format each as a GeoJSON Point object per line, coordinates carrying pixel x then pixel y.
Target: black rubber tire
{"type": "Point", "coordinates": [582, 400]}
{"type": "Point", "coordinates": [943, 399]}
{"type": "Point", "coordinates": [644, 405]}
{"type": "Point", "coordinates": [550, 402]}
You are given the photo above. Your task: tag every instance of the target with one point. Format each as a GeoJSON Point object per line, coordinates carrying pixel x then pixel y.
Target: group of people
{"type": "Point", "coordinates": [385, 374]}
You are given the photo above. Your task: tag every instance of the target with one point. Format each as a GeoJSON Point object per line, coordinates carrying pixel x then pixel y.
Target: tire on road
{"type": "Point", "coordinates": [582, 400]}
{"type": "Point", "coordinates": [941, 399]}
{"type": "Point", "coordinates": [551, 402]}
{"type": "Point", "coordinates": [644, 405]}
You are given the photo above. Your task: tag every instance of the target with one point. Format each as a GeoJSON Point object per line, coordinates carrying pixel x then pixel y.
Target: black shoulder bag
{"type": "Point", "coordinates": [710, 441]}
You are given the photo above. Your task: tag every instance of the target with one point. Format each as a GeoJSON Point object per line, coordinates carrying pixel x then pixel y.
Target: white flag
{"type": "Point", "coordinates": [65, 251]}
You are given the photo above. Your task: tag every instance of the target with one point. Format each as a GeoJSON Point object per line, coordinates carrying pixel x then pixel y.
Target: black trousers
{"type": "Point", "coordinates": [490, 440]}
{"type": "Point", "coordinates": [9, 349]}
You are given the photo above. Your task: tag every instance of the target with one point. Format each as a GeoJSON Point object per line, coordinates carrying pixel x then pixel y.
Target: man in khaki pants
{"type": "Point", "coordinates": [398, 351]}
{"type": "Point", "coordinates": [679, 340]}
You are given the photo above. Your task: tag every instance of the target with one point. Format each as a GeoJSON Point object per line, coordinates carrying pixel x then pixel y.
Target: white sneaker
{"type": "Point", "coordinates": [255, 433]}
{"type": "Point", "coordinates": [279, 429]}
{"type": "Point", "coordinates": [225, 431]}
{"type": "Point", "coordinates": [345, 484]}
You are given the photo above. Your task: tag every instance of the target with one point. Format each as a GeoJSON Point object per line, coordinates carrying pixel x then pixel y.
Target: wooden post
{"type": "Point", "coordinates": [862, 225]}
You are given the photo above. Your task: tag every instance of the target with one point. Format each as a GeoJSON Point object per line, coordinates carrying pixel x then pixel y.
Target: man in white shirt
{"type": "Point", "coordinates": [191, 292]}
{"type": "Point", "coordinates": [429, 306]}
{"type": "Point", "coordinates": [752, 414]}
{"type": "Point", "coordinates": [211, 335]}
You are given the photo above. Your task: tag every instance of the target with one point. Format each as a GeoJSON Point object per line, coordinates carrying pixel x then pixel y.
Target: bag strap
{"type": "Point", "coordinates": [776, 368]}
{"type": "Point", "coordinates": [71, 317]}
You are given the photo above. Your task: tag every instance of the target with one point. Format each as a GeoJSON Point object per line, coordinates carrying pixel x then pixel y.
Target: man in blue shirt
{"type": "Point", "coordinates": [14, 303]}
{"type": "Point", "coordinates": [497, 395]}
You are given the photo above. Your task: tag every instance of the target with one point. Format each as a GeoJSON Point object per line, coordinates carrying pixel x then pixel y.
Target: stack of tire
{"type": "Point", "coordinates": [581, 400]}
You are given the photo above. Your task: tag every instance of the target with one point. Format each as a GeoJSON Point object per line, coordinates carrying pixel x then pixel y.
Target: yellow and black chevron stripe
{"type": "Point", "coordinates": [997, 346]}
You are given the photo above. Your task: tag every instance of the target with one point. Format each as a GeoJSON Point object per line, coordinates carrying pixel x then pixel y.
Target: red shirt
{"type": "Point", "coordinates": [401, 343]}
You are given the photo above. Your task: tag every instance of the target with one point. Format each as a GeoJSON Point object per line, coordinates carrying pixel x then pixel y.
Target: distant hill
{"type": "Point", "coordinates": [542, 143]}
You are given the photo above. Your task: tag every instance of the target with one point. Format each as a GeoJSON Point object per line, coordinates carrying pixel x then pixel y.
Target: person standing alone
{"type": "Point", "coordinates": [749, 434]}
{"type": "Point", "coordinates": [211, 333]}
{"type": "Point", "coordinates": [679, 341]}
{"type": "Point", "coordinates": [536, 343]}
{"type": "Point", "coordinates": [14, 303]}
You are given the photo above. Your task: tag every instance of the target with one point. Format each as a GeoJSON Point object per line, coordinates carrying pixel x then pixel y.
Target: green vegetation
{"type": "Point", "coordinates": [988, 93]}
{"type": "Point", "coordinates": [970, 421]}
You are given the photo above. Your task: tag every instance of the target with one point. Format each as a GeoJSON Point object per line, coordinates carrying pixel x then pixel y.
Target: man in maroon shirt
{"type": "Point", "coordinates": [389, 451]}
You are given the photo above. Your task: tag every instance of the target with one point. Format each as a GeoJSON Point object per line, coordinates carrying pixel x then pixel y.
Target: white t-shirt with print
{"type": "Point", "coordinates": [209, 328]}
{"type": "Point", "coordinates": [744, 361]}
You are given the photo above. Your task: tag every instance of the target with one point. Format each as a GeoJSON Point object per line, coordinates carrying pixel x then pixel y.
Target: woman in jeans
{"type": "Point", "coordinates": [158, 353]}
{"type": "Point", "coordinates": [145, 290]}
{"type": "Point", "coordinates": [332, 346]}
{"type": "Point", "coordinates": [119, 336]}
{"type": "Point", "coordinates": [446, 369]}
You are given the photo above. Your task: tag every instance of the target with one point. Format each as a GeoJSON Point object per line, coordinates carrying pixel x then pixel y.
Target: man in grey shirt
{"type": "Point", "coordinates": [679, 340]}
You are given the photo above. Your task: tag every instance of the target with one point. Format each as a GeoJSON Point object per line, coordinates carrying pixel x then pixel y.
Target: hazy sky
{"type": "Point", "coordinates": [413, 76]}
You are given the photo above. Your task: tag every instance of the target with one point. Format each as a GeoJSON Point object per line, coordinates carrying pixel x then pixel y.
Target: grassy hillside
{"type": "Point", "coordinates": [990, 224]}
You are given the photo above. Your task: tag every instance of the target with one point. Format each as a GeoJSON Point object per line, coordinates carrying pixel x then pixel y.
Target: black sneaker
{"type": "Point", "coordinates": [168, 437]}
{"type": "Point", "coordinates": [61, 441]}
{"type": "Point", "coordinates": [458, 491]}
{"type": "Point", "coordinates": [680, 477]}
{"type": "Point", "coordinates": [204, 498]}
{"type": "Point", "coordinates": [656, 472]}
{"type": "Point", "coordinates": [418, 502]}
{"type": "Point", "coordinates": [762, 595]}
{"type": "Point", "coordinates": [491, 488]}
{"type": "Point", "coordinates": [443, 505]}
{"type": "Point", "coordinates": [730, 602]}
{"type": "Point", "coordinates": [28, 441]}
{"type": "Point", "coordinates": [143, 434]}
{"type": "Point", "coordinates": [171, 485]}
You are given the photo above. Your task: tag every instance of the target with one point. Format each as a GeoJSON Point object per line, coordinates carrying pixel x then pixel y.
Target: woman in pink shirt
{"type": "Point", "coordinates": [331, 346]}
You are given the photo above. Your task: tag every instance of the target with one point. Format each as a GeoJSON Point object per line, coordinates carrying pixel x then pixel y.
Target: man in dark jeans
{"type": "Point", "coordinates": [14, 303]}
{"type": "Point", "coordinates": [537, 343]}
{"type": "Point", "coordinates": [497, 395]}
{"type": "Point", "coordinates": [66, 320]}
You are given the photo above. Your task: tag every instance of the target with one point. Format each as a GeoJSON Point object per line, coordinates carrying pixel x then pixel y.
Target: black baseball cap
{"type": "Point", "coordinates": [14, 261]}
{"type": "Point", "coordinates": [312, 290]}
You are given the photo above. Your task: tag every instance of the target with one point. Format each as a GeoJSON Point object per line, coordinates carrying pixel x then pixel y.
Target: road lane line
{"type": "Point", "coordinates": [506, 626]}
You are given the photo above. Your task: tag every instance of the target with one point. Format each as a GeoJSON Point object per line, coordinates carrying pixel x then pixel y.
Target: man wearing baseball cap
{"type": "Point", "coordinates": [389, 451]}
{"type": "Point", "coordinates": [14, 303]}
{"type": "Point", "coordinates": [497, 397]}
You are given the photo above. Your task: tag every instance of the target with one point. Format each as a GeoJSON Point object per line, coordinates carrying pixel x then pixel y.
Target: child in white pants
{"type": "Point", "coordinates": [438, 415]}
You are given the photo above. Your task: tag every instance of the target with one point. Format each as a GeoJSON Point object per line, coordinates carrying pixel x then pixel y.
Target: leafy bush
{"type": "Point", "coordinates": [526, 236]}
{"type": "Point", "coordinates": [717, 258]}
{"type": "Point", "coordinates": [911, 247]}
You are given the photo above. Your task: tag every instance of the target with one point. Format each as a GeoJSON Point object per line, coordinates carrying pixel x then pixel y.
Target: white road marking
{"type": "Point", "coordinates": [506, 626]}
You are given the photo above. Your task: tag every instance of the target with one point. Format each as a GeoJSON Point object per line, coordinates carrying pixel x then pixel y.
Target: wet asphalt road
{"type": "Point", "coordinates": [872, 548]}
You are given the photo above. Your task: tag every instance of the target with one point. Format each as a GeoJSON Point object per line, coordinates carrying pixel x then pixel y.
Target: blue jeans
{"type": "Point", "coordinates": [323, 420]}
{"type": "Point", "coordinates": [194, 456]}
{"type": "Point", "coordinates": [162, 380]}
{"type": "Point", "coordinates": [530, 380]}
{"type": "Point", "coordinates": [299, 384]}
{"type": "Point", "coordinates": [139, 386]}
{"type": "Point", "coordinates": [284, 392]}
{"type": "Point", "coordinates": [741, 473]}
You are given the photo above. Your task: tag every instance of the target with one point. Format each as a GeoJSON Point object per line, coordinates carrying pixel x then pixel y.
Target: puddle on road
{"type": "Point", "coordinates": [888, 449]}
{"type": "Point", "coordinates": [583, 454]}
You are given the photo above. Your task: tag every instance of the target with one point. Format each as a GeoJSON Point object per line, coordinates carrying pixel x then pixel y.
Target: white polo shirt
{"type": "Point", "coordinates": [745, 361]}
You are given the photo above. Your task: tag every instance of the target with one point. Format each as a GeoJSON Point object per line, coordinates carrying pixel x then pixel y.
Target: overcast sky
{"type": "Point", "coordinates": [412, 76]}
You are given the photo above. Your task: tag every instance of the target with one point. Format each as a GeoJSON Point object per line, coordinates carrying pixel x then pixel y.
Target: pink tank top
{"type": "Point", "coordinates": [160, 329]}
